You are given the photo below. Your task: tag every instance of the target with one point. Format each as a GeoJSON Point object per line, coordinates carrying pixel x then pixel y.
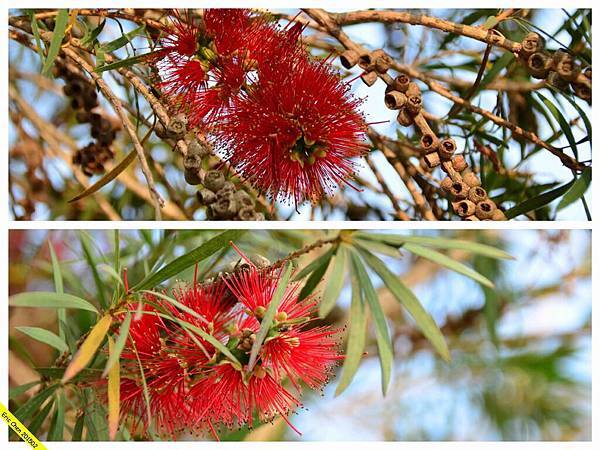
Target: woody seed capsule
{"type": "Point", "coordinates": [498, 215]}
{"type": "Point", "coordinates": [471, 179]}
{"type": "Point", "coordinates": [349, 59]}
{"type": "Point", "coordinates": [214, 180]}
{"type": "Point", "coordinates": [447, 148]}
{"type": "Point", "coordinates": [464, 208]}
{"type": "Point", "coordinates": [414, 103]}
{"type": "Point", "coordinates": [459, 190]}
{"type": "Point", "coordinates": [446, 184]}
{"type": "Point", "coordinates": [539, 64]}
{"type": "Point", "coordinates": [401, 83]}
{"type": "Point", "coordinates": [485, 209]}
{"type": "Point", "coordinates": [459, 164]}
{"type": "Point", "coordinates": [369, 78]}
{"type": "Point", "coordinates": [532, 43]}
{"type": "Point", "coordinates": [383, 63]}
{"type": "Point", "coordinates": [395, 100]}
{"type": "Point", "coordinates": [477, 194]}
{"type": "Point", "coordinates": [404, 118]}
{"type": "Point", "coordinates": [432, 159]}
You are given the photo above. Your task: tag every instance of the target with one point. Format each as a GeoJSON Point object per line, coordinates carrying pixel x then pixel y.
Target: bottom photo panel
{"type": "Point", "coordinates": [300, 335]}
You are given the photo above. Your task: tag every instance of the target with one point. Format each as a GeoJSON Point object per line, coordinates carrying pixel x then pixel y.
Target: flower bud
{"type": "Point", "coordinates": [259, 312]}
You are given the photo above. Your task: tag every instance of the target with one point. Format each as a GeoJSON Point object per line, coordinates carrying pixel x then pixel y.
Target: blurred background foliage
{"type": "Point", "coordinates": [514, 171]}
{"type": "Point", "coordinates": [521, 352]}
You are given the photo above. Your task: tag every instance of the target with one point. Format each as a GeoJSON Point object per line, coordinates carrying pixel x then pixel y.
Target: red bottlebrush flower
{"type": "Point", "coordinates": [294, 136]}
{"type": "Point", "coordinates": [181, 39]}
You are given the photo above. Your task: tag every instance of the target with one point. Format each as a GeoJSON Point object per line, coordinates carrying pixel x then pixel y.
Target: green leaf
{"type": "Point", "coordinates": [315, 264]}
{"type": "Point", "coordinates": [562, 122]}
{"type": "Point", "coordinates": [60, 25]}
{"type": "Point", "coordinates": [45, 336]}
{"type": "Point", "coordinates": [34, 403]}
{"type": "Point", "coordinates": [437, 242]}
{"type": "Point", "coordinates": [356, 337]}
{"type": "Point", "coordinates": [577, 190]}
{"type": "Point", "coordinates": [384, 342]}
{"type": "Point", "coordinates": [127, 62]}
{"type": "Point", "coordinates": [40, 417]}
{"type": "Point", "coordinates": [490, 22]}
{"type": "Point", "coordinates": [538, 201]}
{"type": "Point", "coordinates": [58, 287]}
{"type": "Point", "coordinates": [91, 36]}
{"type": "Point", "coordinates": [335, 283]}
{"type": "Point", "coordinates": [499, 64]}
{"type": "Point", "coordinates": [125, 39]}
{"type": "Point", "coordinates": [19, 390]}
{"type": "Point", "coordinates": [41, 299]}
{"type": "Point", "coordinates": [119, 344]}
{"type": "Point", "coordinates": [78, 428]}
{"type": "Point", "coordinates": [315, 277]}
{"type": "Point", "coordinates": [85, 240]}
{"type": "Point", "coordinates": [55, 433]}
{"type": "Point", "coordinates": [406, 297]}
{"type": "Point", "coordinates": [36, 33]}
{"type": "Point", "coordinates": [443, 260]}
{"type": "Point", "coordinates": [189, 259]}
{"type": "Point", "coordinates": [56, 373]}
{"type": "Point", "coordinates": [267, 320]}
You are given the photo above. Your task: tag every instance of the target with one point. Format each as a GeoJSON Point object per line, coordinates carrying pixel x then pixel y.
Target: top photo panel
{"type": "Point", "coordinates": [300, 114]}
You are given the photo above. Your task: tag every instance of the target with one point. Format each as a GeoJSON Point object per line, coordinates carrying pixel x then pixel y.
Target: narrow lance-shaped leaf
{"type": "Point", "coordinates": [59, 288]}
{"type": "Point", "coordinates": [315, 278]}
{"type": "Point", "coordinates": [437, 242]}
{"type": "Point", "coordinates": [314, 264]}
{"type": "Point", "coordinates": [335, 283]}
{"type": "Point", "coordinates": [33, 404]}
{"type": "Point", "coordinates": [384, 342]}
{"type": "Point", "coordinates": [267, 319]}
{"type": "Point", "coordinates": [579, 187]}
{"type": "Point", "coordinates": [19, 390]}
{"type": "Point", "coordinates": [88, 349]}
{"type": "Point", "coordinates": [406, 297]}
{"type": "Point", "coordinates": [356, 337]}
{"type": "Point", "coordinates": [78, 428]}
{"type": "Point", "coordinates": [60, 25]}
{"type": "Point", "coordinates": [45, 336]}
{"type": "Point", "coordinates": [114, 393]}
{"type": "Point", "coordinates": [113, 357]}
{"type": "Point", "coordinates": [40, 299]}
{"type": "Point", "coordinates": [538, 201]}
{"type": "Point", "coordinates": [189, 259]}
{"type": "Point", "coordinates": [443, 260]}
{"type": "Point", "coordinates": [55, 433]}
{"type": "Point", "coordinates": [40, 417]}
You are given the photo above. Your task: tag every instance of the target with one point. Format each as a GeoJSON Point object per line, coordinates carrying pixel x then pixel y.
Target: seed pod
{"type": "Point", "coordinates": [472, 218]}
{"type": "Point", "coordinates": [214, 180]}
{"type": "Point", "coordinates": [197, 148]}
{"type": "Point", "coordinates": [369, 78]}
{"type": "Point", "coordinates": [106, 137]}
{"type": "Point", "coordinates": [366, 62]}
{"type": "Point", "coordinates": [432, 159]}
{"type": "Point", "coordinates": [227, 189]}
{"type": "Point", "coordinates": [74, 88]}
{"type": "Point", "coordinates": [554, 79]}
{"type": "Point", "coordinates": [224, 207]}
{"type": "Point", "coordinates": [77, 103]}
{"type": "Point", "coordinates": [532, 43]}
{"type": "Point", "coordinates": [429, 143]}
{"type": "Point", "coordinates": [383, 63]}
{"type": "Point", "coordinates": [485, 209]}
{"type": "Point", "coordinates": [471, 179]}
{"type": "Point", "coordinates": [498, 215]}
{"type": "Point", "coordinates": [82, 116]}
{"type": "Point", "coordinates": [539, 64]}
{"type": "Point", "coordinates": [246, 213]}
{"type": "Point", "coordinates": [349, 59]}
{"type": "Point", "coordinates": [413, 89]}
{"type": "Point", "coordinates": [243, 199]}
{"type": "Point", "coordinates": [459, 190]}
{"type": "Point", "coordinates": [404, 118]}
{"type": "Point", "coordinates": [446, 184]}
{"type": "Point", "coordinates": [566, 67]}
{"type": "Point", "coordinates": [401, 83]}
{"type": "Point", "coordinates": [459, 163]}
{"type": "Point", "coordinates": [192, 164]}
{"type": "Point", "coordinates": [177, 126]}
{"type": "Point", "coordinates": [477, 194]}
{"type": "Point", "coordinates": [90, 99]}
{"type": "Point", "coordinates": [205, 197]}
{"type": "Point", "coordinates": [394, 100]}
{"type": "Point", "coordinates": [414, 103]}
{"type": "Point", "coordinates": [464, 208]}
{"type": "Point", "coordinates": [447, 148]}
{"type": "Point", "coordinates": [582, 91]}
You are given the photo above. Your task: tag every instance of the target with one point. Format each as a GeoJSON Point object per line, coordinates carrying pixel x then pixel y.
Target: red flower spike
{"type": "Point", "coordinates": [294, 136]}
